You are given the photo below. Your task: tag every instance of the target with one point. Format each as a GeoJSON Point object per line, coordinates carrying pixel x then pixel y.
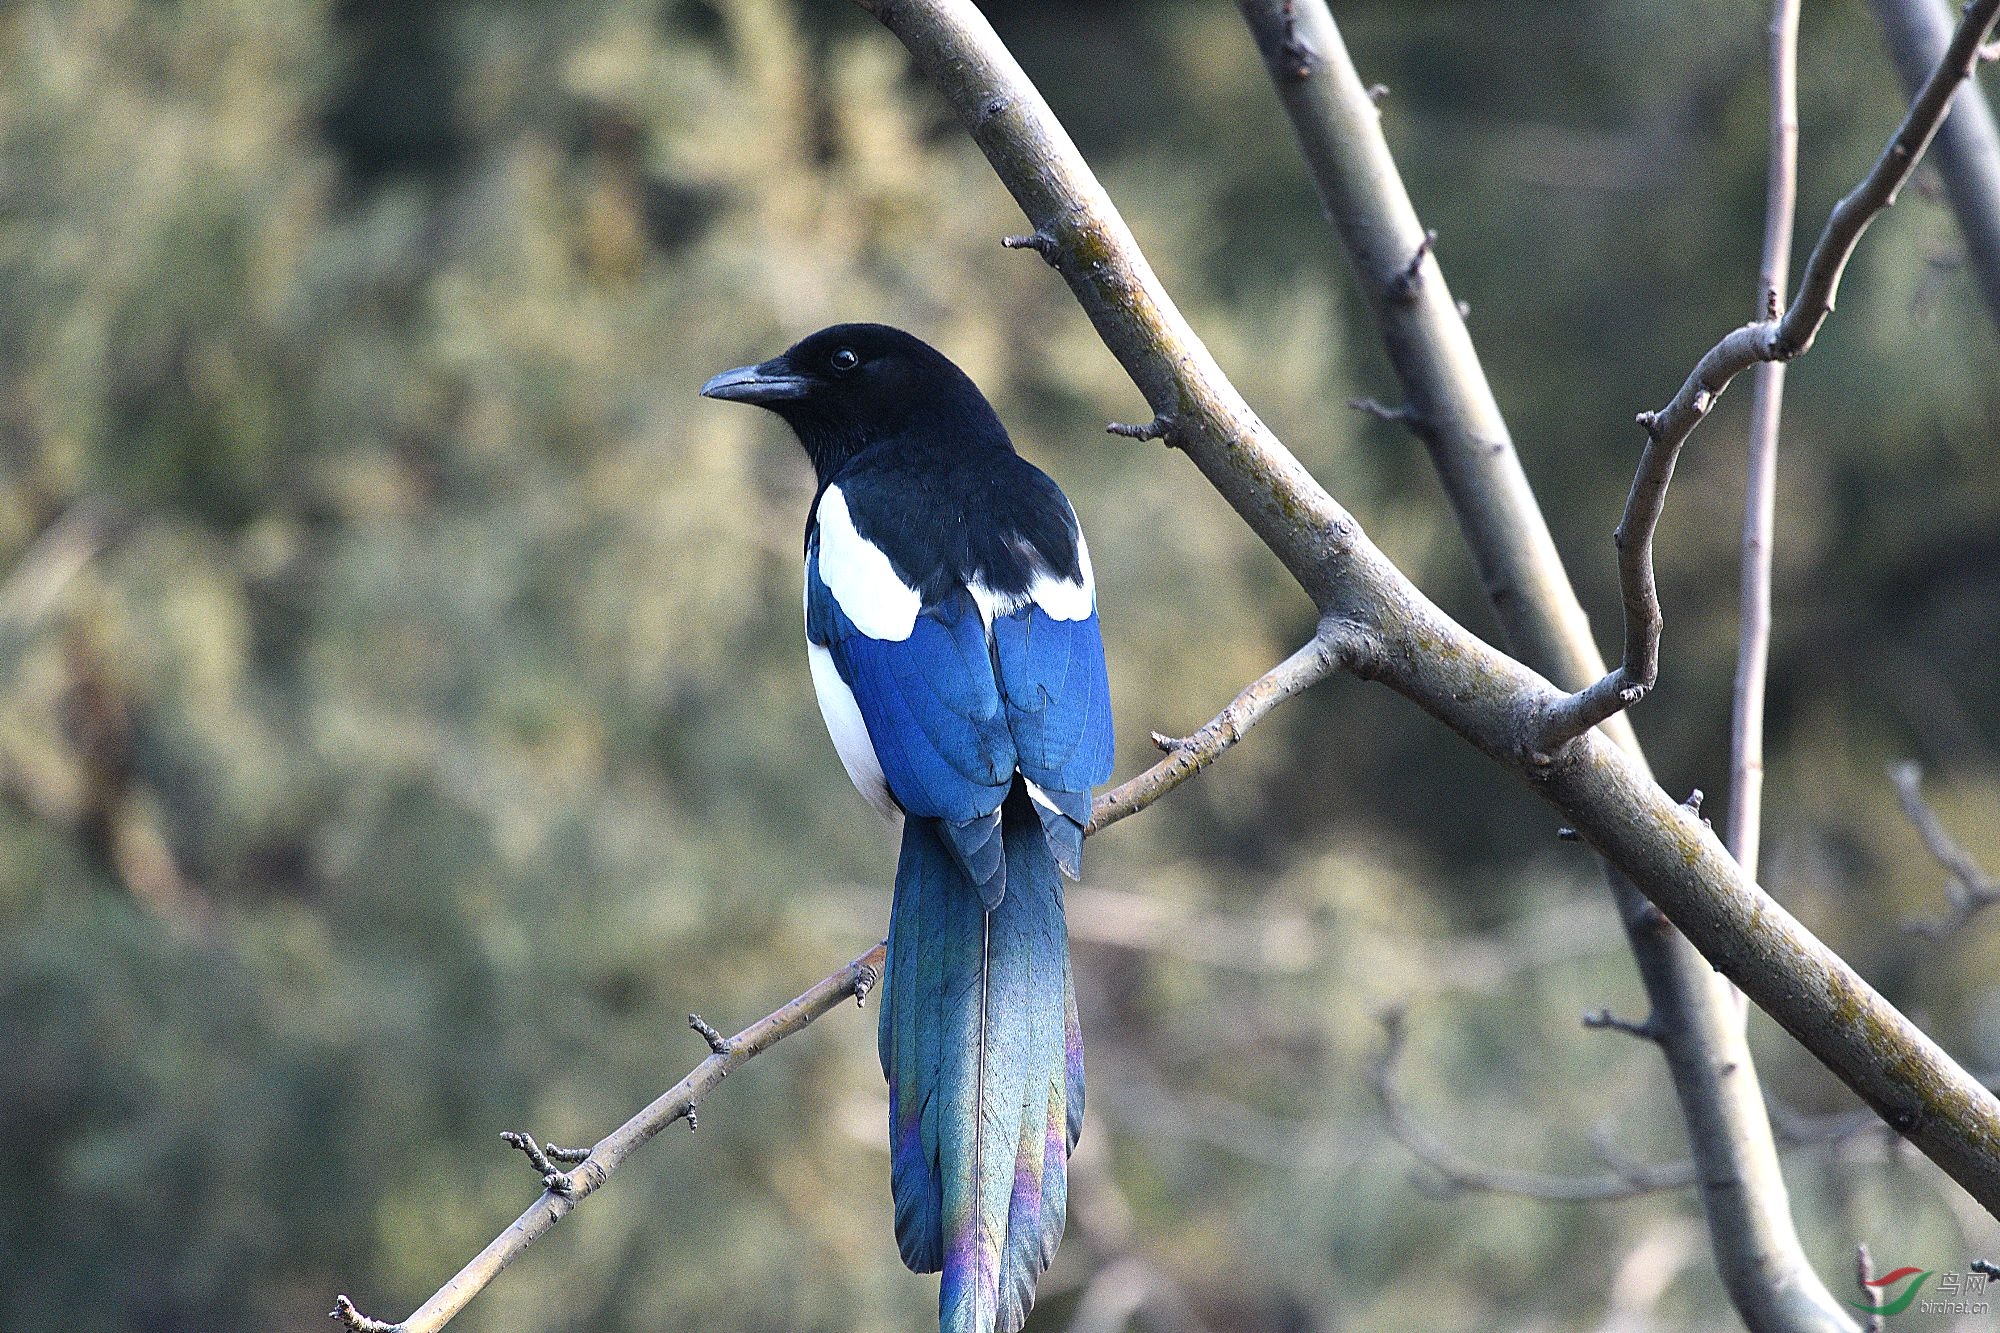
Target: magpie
{"type": "Point", "coordinates": [952, 635]}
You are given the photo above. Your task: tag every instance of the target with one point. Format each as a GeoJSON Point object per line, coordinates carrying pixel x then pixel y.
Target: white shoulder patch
{"type": "Point", "coordinates": [860, 576]}
{"type": "Point", "coordinates": [849, 732]}
{"type": "Point", "coordinates": [994, 605]}
{"type": "Point", "coordinates": [1063, 599]}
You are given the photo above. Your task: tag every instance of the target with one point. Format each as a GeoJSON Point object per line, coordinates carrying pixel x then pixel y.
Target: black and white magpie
{"type": "Point", "coordinates": [951, 627]}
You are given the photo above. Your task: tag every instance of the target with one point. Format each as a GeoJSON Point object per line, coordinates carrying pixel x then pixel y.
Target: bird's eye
{"type": "Point", "coordinates": [845, 360]}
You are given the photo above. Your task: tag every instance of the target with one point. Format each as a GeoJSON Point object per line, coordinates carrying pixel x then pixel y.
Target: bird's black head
{"type": "Point", "coordinates": [851, 386]}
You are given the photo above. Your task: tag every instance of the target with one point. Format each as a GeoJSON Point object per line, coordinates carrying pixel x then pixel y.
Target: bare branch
{"type": "Point", "coordinates": [344, 1311]}
{"type": "Point", "coordinates": [1451, 1172]}
{"type": "Point", "coordinates": [564, 1190]}
{"type": "Point", "coordinates": [1446, 1170]}
{"type": "Point", "coordinates": [717, 1043]}
{"type": "Point", "coordinates": [1489, 699]}
{"type": "Point", "coordinates": [1369, 407]}
{"type": "Point", "coordinates": [1864, 1276]}
{"type": "Point", "coordinates": [1753, 636]}
{"type": "Point", "coordinates": [1156, 429]}
{"type": "Point", "coordinates": [544, 1160]}
{"type": "Point", "coordinates": [1970, 890]}
{"type": "Point", "coordinates": [1605, 1021]}
{"type": "Point", "coordinates": [1780, 339]}
{"type": "Point", "coordinates": [1327, 651]}
{"type": "Point", "coordinates": [1040, 242]}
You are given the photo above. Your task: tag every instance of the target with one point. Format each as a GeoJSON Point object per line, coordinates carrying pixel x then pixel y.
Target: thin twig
{"type": "Point", "coordinates": [1159, 428]}
{"type": "Point", "coordinates": [1380, 411]}
{"type": "Point", "coordinates": [1447, 1171]}
{"type": "Point", "coordinates": [1040, 242]}
{"type": "Point", "coordinates": [564, 1190]}
{"type": "Point", "coordinates": [1753, 642]}
{"type": "Point", "coordinates": [1606, 1021]}
{"type": "Point", "coordinates": [1864, 1279]}
{"type": "Point", "coordinates": [1451, 1172]}
{"type": "Point", "coordinates": [1970, 890]}
{"type": "Point", "coordinates": [1325, 653]}
{"type": "Point", "coordinates": [1781, 339]}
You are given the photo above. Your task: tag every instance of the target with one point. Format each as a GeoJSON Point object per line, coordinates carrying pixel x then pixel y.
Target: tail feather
{"type": "Point", "coordinates": [1034, 1228]}
{"type": "Point", "coordinates": [1072, 1057]}
{"type": "Point", "coordinates": [979, 1044]}
{"type": "Point", "coordinates": [908, 1026]}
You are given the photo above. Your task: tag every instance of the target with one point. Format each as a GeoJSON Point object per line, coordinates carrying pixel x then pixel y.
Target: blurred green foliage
{"type": "Point", "coordinates": [431, 733]}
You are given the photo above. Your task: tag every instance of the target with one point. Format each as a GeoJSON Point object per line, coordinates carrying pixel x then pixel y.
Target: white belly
{"type": "Point", "coordinates": [850, 733]}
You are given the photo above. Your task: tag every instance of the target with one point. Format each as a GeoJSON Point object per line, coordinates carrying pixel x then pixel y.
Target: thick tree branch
{"type": "Point", "coordinates": [1970, 890]}
{"type": "Point", "coordinates": [1695, 1017]}
{"type": "Point", "coordinates": [1967, 151]}
{"type": "Point", "coordinates": [1490, 700]}
{"type": "Point", "coordinates": [1774, 338]}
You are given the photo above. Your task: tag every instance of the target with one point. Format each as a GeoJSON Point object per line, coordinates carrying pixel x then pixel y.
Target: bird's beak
{"type": "Point", "coordinates": [772, 382]}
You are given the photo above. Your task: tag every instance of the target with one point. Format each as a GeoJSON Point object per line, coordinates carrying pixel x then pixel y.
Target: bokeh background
{"type": "Point", "coordinates": [403, 723]}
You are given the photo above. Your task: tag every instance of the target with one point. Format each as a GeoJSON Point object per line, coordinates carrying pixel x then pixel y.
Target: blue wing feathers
{"type": "Point", "coordinates": [930, 703]}
{"type": "Point", "coordinates": [979, 850]}
{"type": "Point", "coordinates": [1057, 697]}
{"type": "Point", "coordinates": [952, 715]}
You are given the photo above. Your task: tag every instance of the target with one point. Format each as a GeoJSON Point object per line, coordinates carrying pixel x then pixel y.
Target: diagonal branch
{"type": "Point", "coordinates": [1325, 653]}
{"type": "Point", "coordinates": [564, 1190]}
{"type": "Point", "coordinates": [1490, 700]}
{"type": "Point", "coordinates": [1771, 339]}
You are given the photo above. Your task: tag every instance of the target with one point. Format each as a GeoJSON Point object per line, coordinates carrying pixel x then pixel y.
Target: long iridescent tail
{"type": "Point", "coordinates": [984, 1058]}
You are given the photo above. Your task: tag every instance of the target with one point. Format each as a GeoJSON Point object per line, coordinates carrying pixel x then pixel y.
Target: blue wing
{"type": "Point", "coordinates": [1057, 696]}
{"type": "Point", "coordinates": [933, 712]}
